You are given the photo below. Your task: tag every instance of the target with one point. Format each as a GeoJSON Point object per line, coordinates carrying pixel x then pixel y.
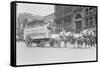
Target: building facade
{"type": "Point", "coordinates": [84, 18]}
{"type": "Point", "coordinates": [75, 18]}
{"type": "Point", "coordinates": [63, 18]}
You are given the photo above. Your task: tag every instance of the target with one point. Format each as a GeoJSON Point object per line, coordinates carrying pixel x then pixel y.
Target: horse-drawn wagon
{"type": "Point", "coordinates": [42, 34]}
{"type": "Point", "coordinates": [39, 34]}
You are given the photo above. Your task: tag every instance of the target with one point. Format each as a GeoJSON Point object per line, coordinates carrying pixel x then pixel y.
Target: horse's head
{"type": "Point", "coordinates": [90, 33]}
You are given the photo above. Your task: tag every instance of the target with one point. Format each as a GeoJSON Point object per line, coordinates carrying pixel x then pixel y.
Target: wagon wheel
{"type": "Point", "coordinates": [28, 43]}
{"type": "Point", "coordinates": [38, 44]}
{"type": "Point", "coordinates": [51, 42]}
{"type": "Point", "coordinates": [42, 43]}
{"type": "Point", "coordinates": [58, 44]}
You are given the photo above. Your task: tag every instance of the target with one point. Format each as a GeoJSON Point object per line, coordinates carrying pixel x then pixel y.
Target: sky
{"type": "Point", "coordinates": [35, 9]}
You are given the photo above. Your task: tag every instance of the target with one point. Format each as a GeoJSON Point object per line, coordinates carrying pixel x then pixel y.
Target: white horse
{"type": "Point", "coordinates": [69, 38]}
{"type": "Point", "coordinates": [54, 40]}
{"type": "Point", "coordinates": [77, 38]}
{"type": "Point", "coordinates": [90, 38]}
{"type": "Point", "coordinates": [58, 38]}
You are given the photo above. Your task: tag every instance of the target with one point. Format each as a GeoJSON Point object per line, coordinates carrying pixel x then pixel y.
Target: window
{"type": "Point", "coordinates": [90, 8]}
{"type": "Point", "coordinates": [67, 19]}
{"type": "Point", "coordinates": [91, 21]}
{"type": "Point", "coordinates": [91, 18]}
{"type": "Point", "coordinates": [86, 11]}
{"type": "Point", "coordinates": [95, 20]}
{"type": "Point", "coordinates": [58, 21]}
{"type": "Point", "coordinates": [57, 14]}
{"type": "Point", "coordinates": [78, 16]}
{"type": "Point", "coordinates": [87, 23]}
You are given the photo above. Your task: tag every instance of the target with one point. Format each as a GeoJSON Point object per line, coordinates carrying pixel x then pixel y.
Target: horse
{"type": "Point", "coordinates": [79, 39]}
{"type": "Point", "coordinates": [73, 38]}
{"type": "Point", "coordinates": [92, 38]}
{"type": "Point", "coordinates": [54, 39]}
{"type": "Point", "coordinates": [69, 38]}
{"type": "Point", "coordinates": [89, 38]}
{"type": "Point", "coordinates": [62, 37]}
{"type": "Point", "coordinates": [58, 38]}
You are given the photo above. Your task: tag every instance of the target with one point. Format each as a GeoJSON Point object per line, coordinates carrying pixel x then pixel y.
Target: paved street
{"type": "Point", "coordinates": [34, 55]}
